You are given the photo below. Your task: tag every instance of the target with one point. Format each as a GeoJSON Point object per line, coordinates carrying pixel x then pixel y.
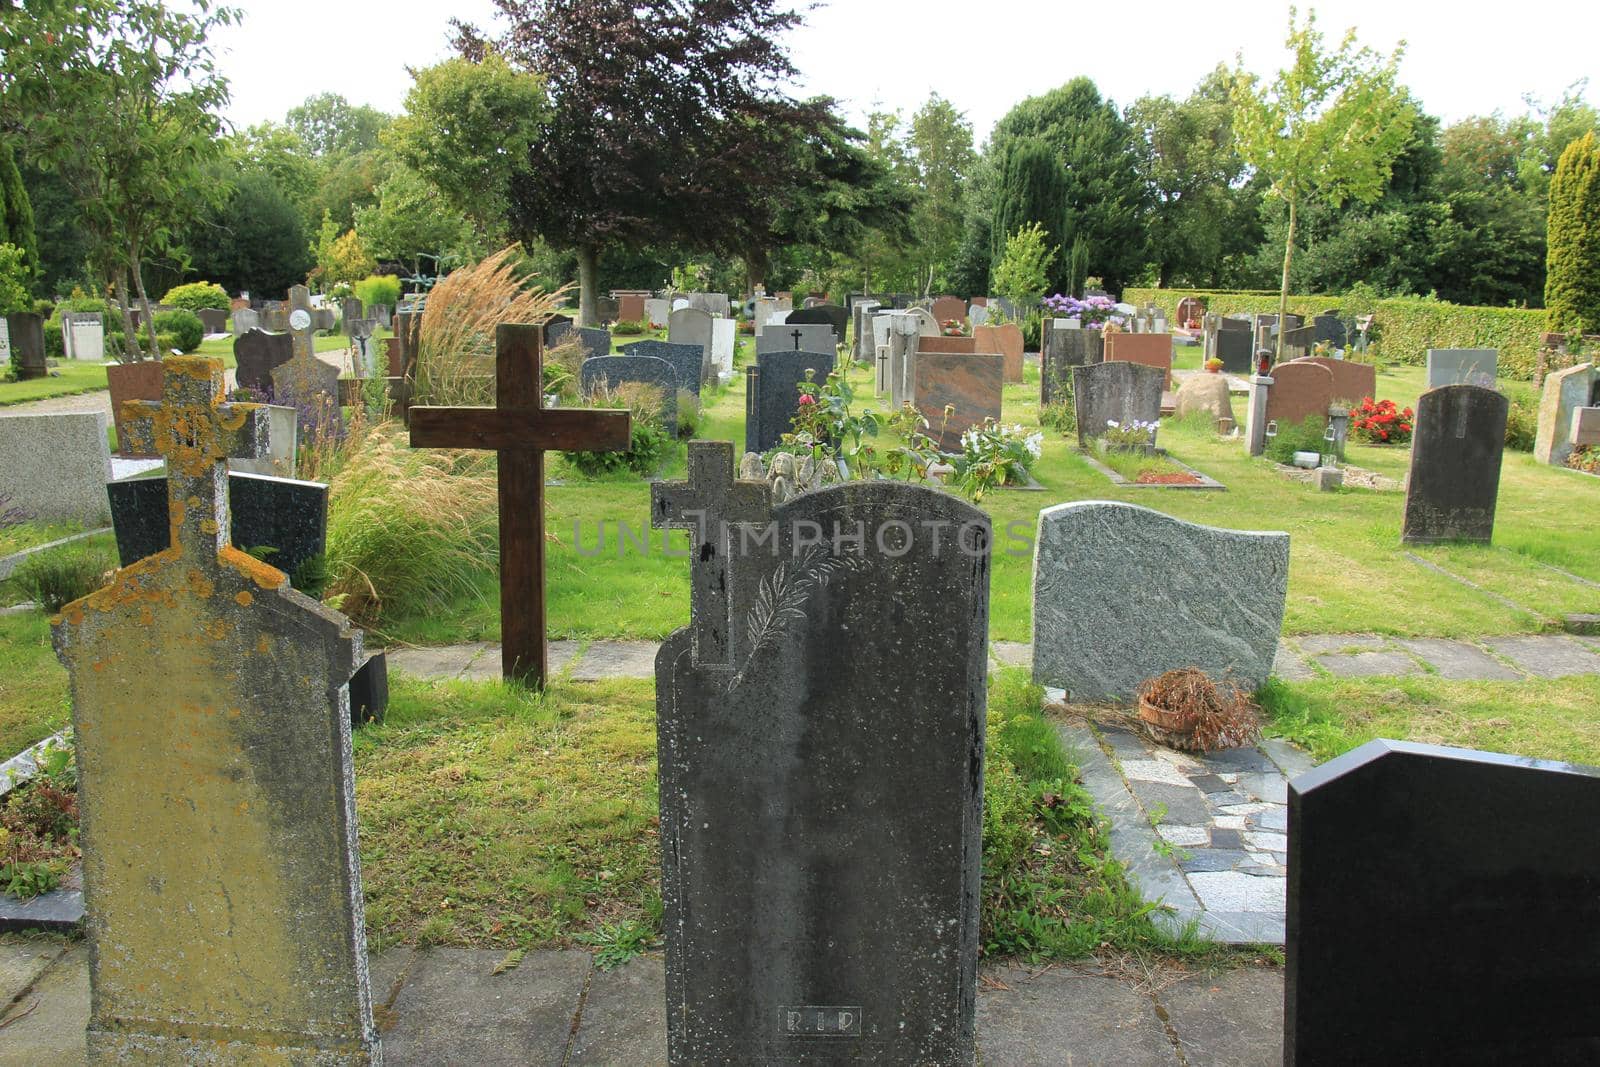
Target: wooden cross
{"type": "Point", "coordinates": [521, 431]}
{"type": "Point", "coordinates": [708, 505]}
{"type": "Point", "coordinates": [197, 433]}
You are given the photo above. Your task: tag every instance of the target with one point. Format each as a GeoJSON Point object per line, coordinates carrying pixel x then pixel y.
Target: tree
{"type": "Point", "coordinates": [407, 224]}
{"type": "Point", "coordinates": [256, 242]}
{"type": "Point", "coordinates": [661, 124]}
{"type": "Point", "coordinates": [329, 125]}
{"type": "Point", "coordinates": [1572, 273]}
{"type": "Point", "coordinates": [1032, 193]}
{"type": "Point", "coordinates": [119, 99]}
{"type": "Point", "coordinates": [1024, 271]}
{"type": "Point", "coordinates": [941, 146]}
{"type": "Point", "coordinates": [1329, 127]}
{"type": "Point", "coordinates": [16, 214]}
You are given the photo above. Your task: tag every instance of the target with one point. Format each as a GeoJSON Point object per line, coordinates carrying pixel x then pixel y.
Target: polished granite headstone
{"type": "Point", "coordinates": [1236, 351]}
{"type": "Point", "coordinates": [687, 360]}
{"type": "Point", "coordinates": [804, 337]}
{"type": "Point", "coordinates": [832, 314]}
{"type": "Point", "coordinates": [1121, 392]}
{"type": "Point", "coordinates": [957, 392]}
{"type": "Point", "coordinates": [278, 513]}
{"type": "Point", "coordinates": [556, 328]}
{"type": "Point", "coordinates": [772, 394]}
{"type": "Point", "coordinates": [1456, 450]}
{"type": "Point", "coordinates": [1444, 908]}
{"type": "Point", "coordinates": [595, 342]}
{"type": "Point", "coordinates": [650, 370]}
{"type": "Point", "coordinates": [821, 776]}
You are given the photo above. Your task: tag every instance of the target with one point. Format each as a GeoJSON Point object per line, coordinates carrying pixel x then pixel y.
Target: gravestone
{"type": "Point", "coordinates": [1455, 465]}
{"type": "Point", "coordinates": [904, 333]}
{"type": "Point", "coordinates": [1122, 391]}
{"type": "Point", "coordinates": [657, 311]}
{"type": "Point", "coordinates": [323, 319]}
{"type": "Point", "coordinates": [1564, 392]}
{"type": "Point", "coordinates": [245, 320]}
{"type": "Point", "coordinates": [1236, 350]}
{"type": "Point", "coordinates": [556, 328]}
{"type": "Point", "coordinates": [1443, 907]}
{"type": "Point", "coordinates": [594, 341]}
{"type": "Point", "coordinates": [927, 325]}
{"type": "Point", "coordinates": [606, 309]}
{"type": "Point", "coordinates": [947, 345]}
{"type": "Point", "coordinates": [274, 316]}
{"type": "Point", "coordinates": [1299, 391]}
{"type": "Point", "coordinates": [832, 314]}
{"type": "Point", "coordinates": [772, 394]}
{"type": "Point", "coordinates": [968, 386]}
{"type": "Point", "coordinates": [630, 307]}
{"type": "Point", "coordinates": [724, 339]}
{"type": "Point", "coordinates": [1148, 349]}
{"type": "Point", "coordinates": [816, 337]}
{"type": "Point", "coordinates": [139, 380]}
{"type": "Point", "coordinates": [1065, 349]}
{"type": "Point", "coordinates": [691, 326]}
{"type": "Point", "coordinates": [861, 310]}
{"type": "Point", "coordinates": [1352, 382]}
{"type": "Point", "coordinates": [1122, 593]}
{"type": "Point", "coordinates": [350, 313]}
{"type": "Point", "coordinates": [649, 370]}
{"type": "Point", "coordinates": [949, 309]}
{"type": "Point", "coordinates": [821, 812]}
{"type": "Point", "coordinates": [762, 310]}
{"type": "Point", "coordinates": [25, 345]}
{"type": "Point", "coordinates": [211, 717]}
{"type": "Point", "coordinates": [288, 516]}
{"type": "Point", "coordinates": [977, 314]}
{"type": "Point", "coordinates": [1585, 427]}
{"type": "Point", "coordinates": [685, 360]}
{"type": "Point", "coordinates": [56, 465]}
{"type": "Point", "coordinates": [214, 320]}
{"type": "Point", "coordinates": [305, 382]}
{"type": "Point", "coordinates": [1006, 340]}
{"type": "Point", "coordinates": [85, 334]}
{"type": "Point", "coordinates": [1330, 329]}
{"type": "Point", "coordinates": [283, 436]}
{"type": "Point", "coordinates": [257, 354]}
{"type": "Point", "coordinates": [1190, 309]}
{"type": "Point", "coordinates": [1462, 366]}
{"type": "Point", "coordinates": [1297, 342]}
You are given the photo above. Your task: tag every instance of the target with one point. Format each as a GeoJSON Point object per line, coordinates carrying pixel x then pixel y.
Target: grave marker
{"type": "Point", "coordinates": [521, 430]}
{"type": "Point", "coordinates": [949, 309]}
{"type": "Point", "coordinates": [1462, 366]}
{"type": "Point", "coordinates": [692, 326]}
{"type": "Point", "coordinates": [257, 354]}
{"type": "Point", "coordinates": [1564, 391]}
{"type": "Point", "coordinates": [305, 382]}
{"type": "Point", "coordinates": [1455, 465]}
{"type": "Point", "coordinates": [1148, 349]}
{"type": "Point", "coordinates": [815, 337]}
{"type": "Point", "coordinates": [1121, 391]}
{"type": "Point", "coordinates": [1065, 349]}
{"type": "Point", "coordinates": [56, 465]}
{"type": "Point", "coordinates": [967, 386]}
{"type": "Point", "coordinates": [834, 315]}
{"type": "Point", "coordinates": [772, 394]}
{"type": "Point", "coordinates": [1299, 391]}
{"type": "Point", "coordinates": [684, 359]}
{"type": "Point", "coordinates": [653, 371]}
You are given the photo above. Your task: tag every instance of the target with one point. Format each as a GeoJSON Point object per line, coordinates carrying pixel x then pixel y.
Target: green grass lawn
{"type": "Point", "coordinates": [74, 378]}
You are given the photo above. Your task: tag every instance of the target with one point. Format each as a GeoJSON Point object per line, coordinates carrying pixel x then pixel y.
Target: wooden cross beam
{"type": "Point", "coordinates": [521, 431]}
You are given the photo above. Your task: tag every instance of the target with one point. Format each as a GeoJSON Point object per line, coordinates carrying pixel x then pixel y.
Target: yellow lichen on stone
{"type": "Point", "coordinates": [200, 585]}
{"type": "Point", "coordinates": [263, 574]}
{"type": "Point", "coordinates": [243, 598]}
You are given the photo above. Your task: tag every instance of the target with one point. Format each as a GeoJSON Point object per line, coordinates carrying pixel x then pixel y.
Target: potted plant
{"type": "Point", "coordinates": [1214, 365]}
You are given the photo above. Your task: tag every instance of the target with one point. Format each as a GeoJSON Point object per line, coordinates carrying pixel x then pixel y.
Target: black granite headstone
{"type": "Point", "coordinates": [595, 342]}
{"type": "Point", "coordinates": [283, 514]}
{"type": "Point", "coordinates": [556, 327]}
{"type": "Point", "coordinates": [685, 359]}
{"type": "Point", "coordinates": [1235, 350]}
{"type": "Point", "coordinates": [369, 690]}
{"type": "Point", "coordinates": [257, 353]}
{"type": "Point", "coordinates": [26, 337]}
{"type": "Point", "coordinates": [615, 370]}
{"type": "Point", "coordinates": [797, 337]}
{"type": "Point", "coordinates": [1119, 391]}
{"type": "Point", "coordinates": [821, 790]}
{"type": "Point", "coordinates": [1329, 328]}
{"type": "Point", "coordinates": [1444, 908]}
{"type": "Point", "coordinates": [1456, 449]}
{"type": "Point", "coordinates": [772, 394]}
{"type": "Point", "coordinates": [1063, 350]}
{"type": "Point", "coordinates": [832, 314]}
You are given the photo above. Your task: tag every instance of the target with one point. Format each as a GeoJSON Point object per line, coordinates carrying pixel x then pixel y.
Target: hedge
{"type": "Point", "coordinates": [1404, 327]}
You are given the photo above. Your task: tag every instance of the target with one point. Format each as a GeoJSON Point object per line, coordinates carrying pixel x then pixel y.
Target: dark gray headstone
{"type": "Point", "coordinates": [685, 359]}
{"type": "Point", "coordinates": [369, 690]}
{"type": "Point", "coordinates": [213, 320]}
{"type": "Point", "coordinates": [772, 394]}
{"type": "Point", "coordinates": [1456, 448]}
{"type": "Point", "coordinates": [26, 339]}
{"type": "Point", "coordinates": [595, 342]}
{"type": "Point", "coordinates": [821, 790]}
{"type": "Point", "coordinates": [615, 370]}
{"type": "Point", "coordinates": [1126, 392]}
{"type": "Point", "coordinates": [258, 353]}
{"type": "Point", "coordinates": [1443, 907]}
{"type": "Point", "coordinates": [832, 314]}
{"type": "Point", "coordinates": [279, 513]}
{"type": "Point", "coordinates": [556, 327]}
{"type": "Point", "coordinates": [1329, 328]}
{"type": "Point", "coordinates": [807, 337]}
{"type": "Point", "coordinates": [350, 313]}
{"type": "Point", "coordinates": [1235, 349]}
{"type": "Point", "coordinates": [1065, 349]}
{"type": "Point", "coordinates": [606, 308]}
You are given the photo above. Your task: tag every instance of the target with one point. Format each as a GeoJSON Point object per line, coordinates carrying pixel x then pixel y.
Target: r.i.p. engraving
{"type": "Point", "coordinates": [812, 1020]}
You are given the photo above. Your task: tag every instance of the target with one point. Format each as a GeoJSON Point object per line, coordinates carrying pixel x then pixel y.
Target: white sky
{"type": "Point", "coordinates": [1462, 59]}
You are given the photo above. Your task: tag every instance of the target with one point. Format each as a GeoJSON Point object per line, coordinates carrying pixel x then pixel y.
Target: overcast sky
{"type": "Point", "coordinates": [1462, 59]}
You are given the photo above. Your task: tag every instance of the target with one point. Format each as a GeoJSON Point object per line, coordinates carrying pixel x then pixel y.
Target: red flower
{"type": "Point", "coordinates": [807, 398]}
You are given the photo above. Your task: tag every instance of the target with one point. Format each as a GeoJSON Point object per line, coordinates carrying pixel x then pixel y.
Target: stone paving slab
{"type": "Point", "coordinates": [624, 1016]}
{"type": "Point", "coordinates": [1234, 1019]}
{"type": "Point", "coordinates": [616, 659]}
{"type": "Point", "coordinates": [22, 963]}
{"type": "Point", "coordinates": [1547, 657]}
{"type": "Point", "coordinates": [1288, 665]}
{"type": "Point", "coordinates": [1457, 660]}
{"type": "Point", "coordinates": [1321, 644]}
{"type": "Point", "coordinates": [1068, 1015]}
{"type": "Point", "coordinates": [45, 1025]}
{"type": "Point", "coordinates": [1370, 665]}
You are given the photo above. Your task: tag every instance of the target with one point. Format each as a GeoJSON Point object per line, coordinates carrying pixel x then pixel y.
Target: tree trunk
{"type": "Point", "coordinates": [1283, 291]}
{"type": "Point", "coordinates": [130, 336]}
{"type": "Point", "coordinates": [136, 263]}
{"type": "Point", "coordinates": [588, 273]}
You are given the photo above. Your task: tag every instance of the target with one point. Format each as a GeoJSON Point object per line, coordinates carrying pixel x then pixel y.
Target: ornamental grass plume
{"type": "Point", "coordinates": [456, 350]}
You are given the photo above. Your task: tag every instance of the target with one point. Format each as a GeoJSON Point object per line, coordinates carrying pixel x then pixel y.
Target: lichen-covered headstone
{"type": "Point", "coordinates": [821, 731]}
{"type": "Point", "coordinates": [210, 715]}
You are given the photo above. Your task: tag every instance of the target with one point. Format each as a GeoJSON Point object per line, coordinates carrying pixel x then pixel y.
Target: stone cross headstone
{"type": "Point", "coordinates": [1443, 907]}
{"type": "Point", "coordinates": [305, 382]}
{"type": "Point", "coordinates": [1124, 392]}
{"type": "Point", "coordinates": [821, 809]}
{"type": "Point", "coordinates": [211, 721]}
{"type": "Point", "coordinates": [521, 430]}
{"type": "Point", "coordinates": [1456, 450]}
{"type": "Point", "coordinates": [772, 394]}
{"type": "Point", "coordinates": [653, 371]}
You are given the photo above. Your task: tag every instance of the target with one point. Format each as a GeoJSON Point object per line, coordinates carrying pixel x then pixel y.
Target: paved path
{"type": "Point", "coordinates": [555, 1007]}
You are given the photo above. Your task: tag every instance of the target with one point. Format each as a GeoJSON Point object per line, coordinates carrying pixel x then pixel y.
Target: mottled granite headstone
{"type": "Point", "coordinates": [1005, 339]}
{"type": "Point", "coordinates": [1148, 349]}
{"type": "Point", "coordinates": [692, 326]}
{"type": "Point", "coordinates": [821, 805]}
{"type": "Point", "coordinates": [949, 309]}
{"type": "Point", "coordinates": [772, 394]}
{"type": "Point", "coordinates": [649, 370]}
{"type": "Point", "coordinates": [217, 803]}
{"type": "Point", "coordinates": [1462, 366]}
{"type": "Point", "coordinates": [1299, 391]}
{"type": "Point", "coordinates": [257, 353]}
{"type": "Point", "coordinates": [1122, 593]}
{"type": "Point", "coordinates": [967, 386]}
{"type": "Point", "coordinates": [812, 337]}
{"type": "Point", "coordinates": [1443, 907]}
{"type": "Point", "coordinates": [1121, 391]}
{"type": "Point", "coordinates": [949, 345]}
{"type": "Point", "coordinates": [1065, 349]}
{"type": "Point", "coordinates": [56, 466]}
{"type": "Point", "coordinates": [1352, 382]}
{"type": "Point", "coordinates": [278, 513]}
{"type": "Point", "coordinates": [595, 341]}
{"type": "Point", "coordinates": [834, 315]}
{"type": "Point", "coordinates": [556, 328]}
{"type": "Point", "coordinates": [1455, 465]}
{"type": "Point", "coordinates": [685, 359]}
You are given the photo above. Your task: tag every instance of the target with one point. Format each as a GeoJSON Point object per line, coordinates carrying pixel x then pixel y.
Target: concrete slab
{"type": "Point", "coordinates": [1288, 665]}
{"type": "Point", "coordinates": [47, 1025]}
{"type": "Point", "coordinates": [625, 1016]}
{"type": "Point", "coordinates": [1458, 661]}
{"type": "Point", "coordinates": [454, 1009]}
{"type": "Point", "coordinates": [1233, 1019]}
{"type": "Point", "coordinates": [1547, 657]}
{"type": "Point", "coordinates": [1369, 665]}
{"type": "Point", "coordinates": [1320, 644]}
{"type": "Point", "coordinates": [22, 961]}
{"type": "Point", "coordinates": [616, 659]}
{"type": "Point", "coordinates": [1012, 653]}
{"type": "Point", "coordinates": [445, 661]}
{"type": "Point", "coordinates": [1067, 1015]}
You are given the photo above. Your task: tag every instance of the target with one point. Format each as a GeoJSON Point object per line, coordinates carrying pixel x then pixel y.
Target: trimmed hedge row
{"type": "Point", "coordinates": [1404, 328]}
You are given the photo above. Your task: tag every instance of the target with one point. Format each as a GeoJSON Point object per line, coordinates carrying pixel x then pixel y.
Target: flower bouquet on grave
{"type": "Point", "coordinates": [953, 328]}
{"type": "Point", "coordinates": [1092, 313]}
{"type": "Point", "coordinates": [993, 455]}
{"type": "Point", "coordinates": [1185, 709]}
{"type": "Point", "coordinates": [1136, 436]}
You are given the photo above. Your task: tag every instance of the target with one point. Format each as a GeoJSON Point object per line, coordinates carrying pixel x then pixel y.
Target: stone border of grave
{"type": "Point", "coordinates": [61, 909]}
{"type": "Point", "coordinates": [1354, 478]}
{"type": "Point", "coordinates": [9, 564]}
{"type": "Point", "coordinates": [1206, 481]}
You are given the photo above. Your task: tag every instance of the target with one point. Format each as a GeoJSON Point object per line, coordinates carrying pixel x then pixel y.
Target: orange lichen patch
{"type": "Point", "coordinates": [218, 629]}
{"type": "Point", "coordinates": [247, 566]}
{"type": "Point", "coordinates": [263, 646]}
{"type": "Point", "coordinates": [200, 585]}
{"type": "Point", "coordinates": [208, 526]}
{"type": "Point", "coordinates": [243, 598]}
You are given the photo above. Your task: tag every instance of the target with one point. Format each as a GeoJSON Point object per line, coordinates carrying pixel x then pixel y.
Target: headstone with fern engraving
{"type": "Point", "coordinates": [821, 728]}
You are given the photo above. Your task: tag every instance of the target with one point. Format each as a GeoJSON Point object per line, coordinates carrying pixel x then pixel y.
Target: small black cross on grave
{"type": "Point", "coordinates": [797, 335]}
{"type": "Point", "coordinates": [521, 431]}
{"type": "Point", "coordinates": [708, 505]}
